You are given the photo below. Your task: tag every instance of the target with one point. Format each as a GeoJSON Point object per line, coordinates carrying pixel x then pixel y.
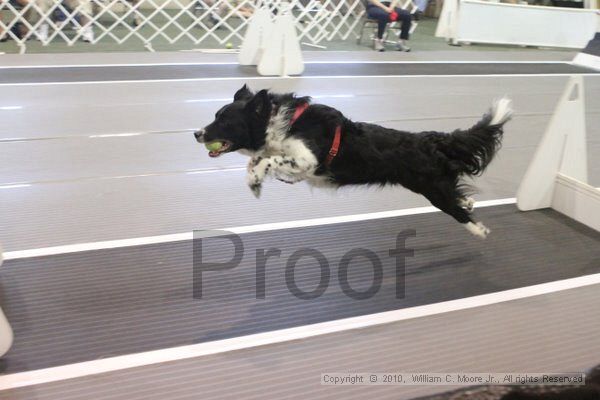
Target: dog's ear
{"type": "Point", "coordinates": [260, 103]}
{"type": "Point", "coordinates": [243, 94]}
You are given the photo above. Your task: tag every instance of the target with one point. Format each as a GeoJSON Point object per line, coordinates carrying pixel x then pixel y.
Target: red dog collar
{"type": "Point", "coordinates": [299, 110]}
{"type": "Point", "coordinates": [337, 138]}
{"type": "Point", "coordinates": [334, 146]}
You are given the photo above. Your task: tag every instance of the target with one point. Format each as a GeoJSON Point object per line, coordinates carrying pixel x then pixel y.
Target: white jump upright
{"type": "Point", "coordinates": [273, 47]}
{"type": "Point", "coordinates": [590, 56]}
{"type": "Point", "coordinates": [283, 55]}
{"type": "Point", "coordinates": [6, 333]}
{"type": "Point", "coordinates": [257, 36]}
{"type": "Point", "coordinates": [448, 21]}
{"type": "Point", "coordinates": [557, 175]}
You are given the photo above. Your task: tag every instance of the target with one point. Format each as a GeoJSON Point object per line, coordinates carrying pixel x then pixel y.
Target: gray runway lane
{"type": "Point", "coordinates": [199, 57]}
{"type": "Point", "coordinates": [138, 107]}
{"type": "Point", "coordinates": [91, 305]}
{"type": "Point", "coordinates": [72, 176]}
{"type": "Point", "coordinates": [551, 333]}
{"type": "Point", "coordinates": [215, 71]}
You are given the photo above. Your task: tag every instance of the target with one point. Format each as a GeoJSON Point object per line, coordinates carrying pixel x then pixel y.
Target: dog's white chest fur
{"type": "Point", "coordinates": [286, 158]}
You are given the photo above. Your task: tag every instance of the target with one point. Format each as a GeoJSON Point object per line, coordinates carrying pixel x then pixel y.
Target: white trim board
{"type": "Point", "coordinates": [587, 60]}
{"type": "Point", "coordinates": [246, 79]}
{"type": "Point", "coordinates": [577, 200]}
{"type": "Point", "coordinates": [177, 237]}
{"type": "Point", "coordinates": [88, 368]}
{"type": "Point", "coordinates": [306, 62]}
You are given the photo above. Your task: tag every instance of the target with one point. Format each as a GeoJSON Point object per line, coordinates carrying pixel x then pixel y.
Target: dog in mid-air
{"type": "Point", "coordinates": [294, 140]}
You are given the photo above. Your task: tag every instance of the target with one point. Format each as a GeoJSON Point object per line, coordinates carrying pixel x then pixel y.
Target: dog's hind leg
{"type": "Point", "coordinates": [453, 205]}
{"type": "Point", "coordinates": [463, 216]}
{"type": "Point", "coordinates": [467, 203]}
{"type": "Point", "coordinates": [477, 229]}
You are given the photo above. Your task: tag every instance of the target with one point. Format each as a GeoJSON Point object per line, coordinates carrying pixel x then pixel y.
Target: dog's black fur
{"type": "Point", "coordinates": [430, 163]}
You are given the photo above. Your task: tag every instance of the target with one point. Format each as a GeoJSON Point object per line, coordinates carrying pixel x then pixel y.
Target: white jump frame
{"type": "Point", "coordinates": [557, 175]}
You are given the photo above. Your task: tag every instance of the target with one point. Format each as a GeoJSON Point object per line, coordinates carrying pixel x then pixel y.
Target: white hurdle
{"type": "Point", "coordinates": [257, 35]}
{"type": "Point", "coordinates": [6, 333]}
{"type": "Point", "coordinates": [274, 47]}
{"type": "Point", "coordinates": [557, 175]}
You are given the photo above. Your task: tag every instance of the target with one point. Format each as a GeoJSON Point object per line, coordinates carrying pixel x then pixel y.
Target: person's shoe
{"type": "Point", "coordinates": [87, 34]}
{"type": "Point", "coordinates": [402, 47]}
{"type": "Point", "coordinates": [378, 45]}
{"type": "Point", "coordinates": [42, 32]}
{"type": "Point", "coordinates": [136, 21]}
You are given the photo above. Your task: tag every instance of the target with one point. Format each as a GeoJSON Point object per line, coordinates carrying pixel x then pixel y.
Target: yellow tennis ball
{"type": "Point", "coordinates": [214, 146]}
{"type": "Point", "coordinates": [229, 45]}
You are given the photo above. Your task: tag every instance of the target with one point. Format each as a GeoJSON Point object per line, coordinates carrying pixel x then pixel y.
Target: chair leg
{"type": "Point", "coordinates": [386, 33]}
{"type": "Point", "coordinates": [362, 30]}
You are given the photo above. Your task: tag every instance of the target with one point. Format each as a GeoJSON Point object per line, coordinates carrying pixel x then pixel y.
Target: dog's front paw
{"type": "Point", "coordinates": [256, 189]}
{"type": "Point", "coordinates": [254, 180]}
{"type": "Point", "coordinates": [257, 175]}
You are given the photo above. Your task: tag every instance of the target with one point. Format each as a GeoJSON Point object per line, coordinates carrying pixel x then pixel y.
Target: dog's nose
{"type": "Point", "coordinates": [199, 135]}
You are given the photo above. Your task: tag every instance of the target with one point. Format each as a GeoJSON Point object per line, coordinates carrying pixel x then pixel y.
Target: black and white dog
{"type": "Point", "coordinates": [293, 140]}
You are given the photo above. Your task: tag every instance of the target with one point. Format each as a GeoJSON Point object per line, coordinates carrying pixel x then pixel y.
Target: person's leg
{"type": "Point", "coordinates": [405, 20]}
{"type": "Point", "coordinates": [382, 19]}
{"type": "Point", "coordinates": [39, 16]}
{"type": "Point", "coordinates": [84, 17]}
{"type": "Point", "coordinates": [20, 29]}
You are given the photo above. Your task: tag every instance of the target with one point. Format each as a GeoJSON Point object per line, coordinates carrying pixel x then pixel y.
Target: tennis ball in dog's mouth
{"type": "Point", "coordinates": [214, 146]}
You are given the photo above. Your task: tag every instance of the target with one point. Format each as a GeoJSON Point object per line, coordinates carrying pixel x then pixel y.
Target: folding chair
{"type": "Point", "coordinates": [368, 22]}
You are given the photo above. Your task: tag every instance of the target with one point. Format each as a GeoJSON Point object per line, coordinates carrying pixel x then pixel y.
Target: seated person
{"type": "Point", "coordinates": [381, 10]}
{"type": "Point", "coordinates": [83, 17]}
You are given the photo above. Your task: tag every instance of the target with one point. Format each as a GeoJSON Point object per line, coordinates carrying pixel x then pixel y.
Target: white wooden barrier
{"type": "Point", "coordinates": [590, 56]}
{"type": "Point", "coordinates": [282, 55]}
{"type": "Point", "coordinates": [257, 36]}
{"type": "Point", "coordinates": [273, 46]}
{"type": "Point", "coordinates": [476, 21]}
{"type": "Point", "coordinates": [557, 175]}
{"type": "Point", "coordinates": [6, 334]}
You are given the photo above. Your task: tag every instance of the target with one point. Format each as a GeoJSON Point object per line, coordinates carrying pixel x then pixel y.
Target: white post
{"type": "Point", "coordinates": [259, 32]}
{"type": "Point", "coordinates": [562, 149]}
{"type": "Point", "coordinates": [6, 333]}
{"type": "Point", "coordinates": [447, 23]}
{"type": "Point", "coordinates": [283, 55]}
{"type": "Point", "coordinates": [557, 176]}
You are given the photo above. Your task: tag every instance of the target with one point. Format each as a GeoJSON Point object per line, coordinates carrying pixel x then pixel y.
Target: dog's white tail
{"type": "Point", "coordinates": [501, 111]}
